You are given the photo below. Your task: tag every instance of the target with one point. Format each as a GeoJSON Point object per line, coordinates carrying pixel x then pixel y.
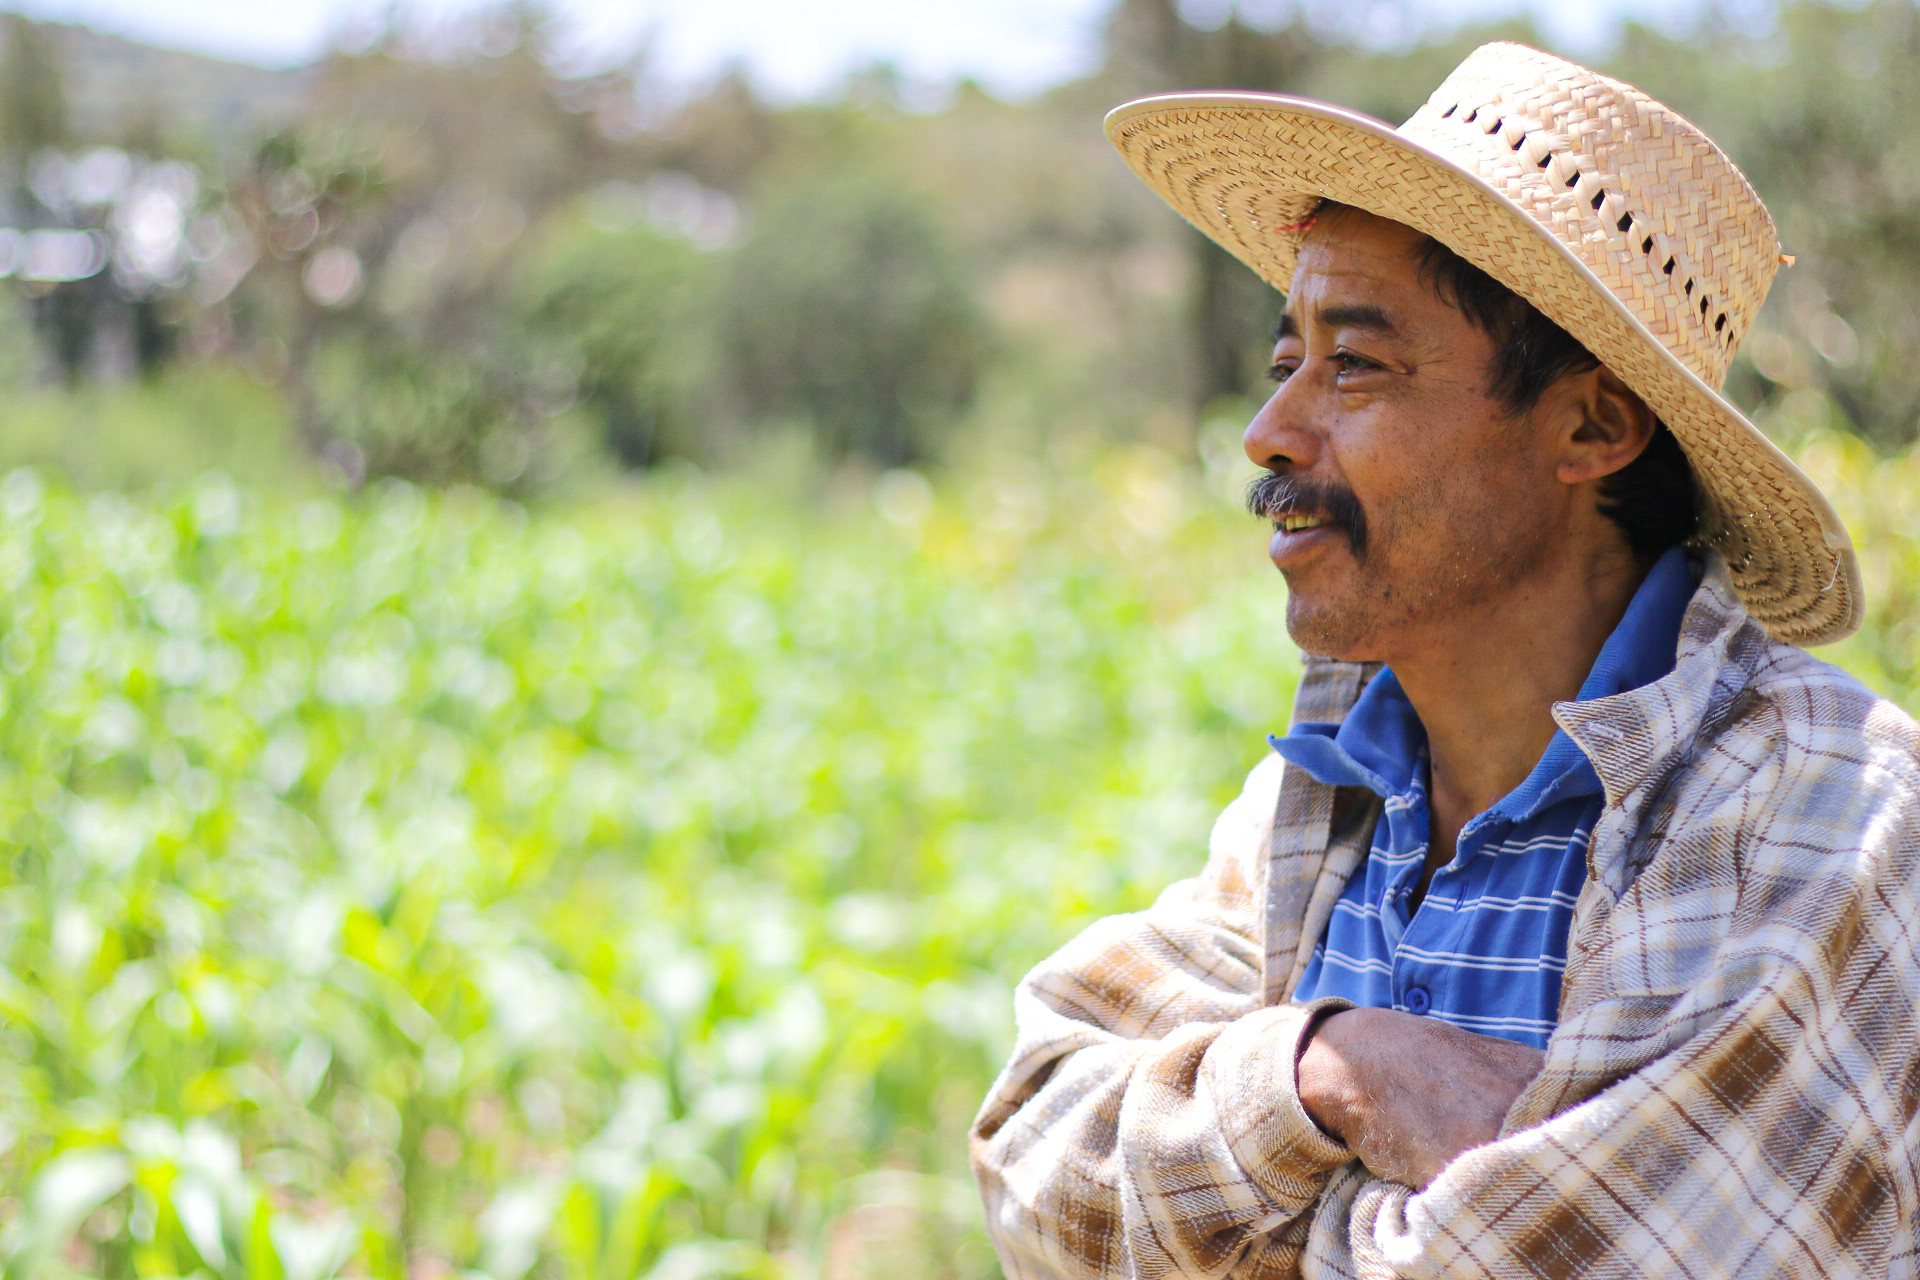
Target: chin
{"type": "Point", "coordinates": [1330, 629]}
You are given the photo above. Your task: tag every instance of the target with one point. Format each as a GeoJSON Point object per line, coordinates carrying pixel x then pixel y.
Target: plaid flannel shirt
{"type": "Point", "coordinates": [1732, 1089]}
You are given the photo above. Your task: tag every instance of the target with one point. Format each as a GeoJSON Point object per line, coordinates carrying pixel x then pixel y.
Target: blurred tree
{"type": "Point", "coordinates": [1154, 46]}
{"type": "Point", "coordinates": [33, 117]}
{"type": "Point", "coordinates": [478, 109]}
{"type": "Point", "coordinates": [33, 100]}
{"type": "Point", "coordinates": [427, 219]}
{"type": "Point", "coordinates": [19, 354]}
{"type": "Point", "coordinates": [387, 228]}
{"type": "Point", "coordinates": [722, 136]}
{"type": "Point", "coordinates": [615, 307]}
{"type": "Point", "coordinates": [305, 213]}
{"type": "Point", "coordinates": [119, 185]}
{"type": "Point", "coordinates": [848, 309]}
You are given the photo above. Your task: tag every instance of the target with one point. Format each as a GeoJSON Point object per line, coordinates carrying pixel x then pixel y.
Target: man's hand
{"type": "Point", "coordinates": [1408, 1094]}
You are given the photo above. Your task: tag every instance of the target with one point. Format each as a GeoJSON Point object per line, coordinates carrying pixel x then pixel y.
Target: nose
{"type": "Point", "coordinates": [1282, 436]}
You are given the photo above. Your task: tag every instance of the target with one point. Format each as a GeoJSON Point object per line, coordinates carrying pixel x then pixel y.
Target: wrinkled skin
{"type": "Point", "coordinates": [1409, 1094]}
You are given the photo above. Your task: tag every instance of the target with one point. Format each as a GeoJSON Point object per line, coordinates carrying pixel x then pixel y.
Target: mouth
{"type": "Point", "coordinates": [1308, 516]}
{"type": "Point", "coordinates": [1298, 537]}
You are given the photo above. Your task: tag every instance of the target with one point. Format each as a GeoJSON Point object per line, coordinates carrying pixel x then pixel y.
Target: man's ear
{"type": "Point", "coordinates": [1608, 425]}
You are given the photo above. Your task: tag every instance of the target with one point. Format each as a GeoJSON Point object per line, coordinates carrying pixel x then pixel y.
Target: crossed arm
{"type": "Point", "coordinates": [1157, 1119]}
{"type": "Point", "coordinates": [1152, 1122]}
{"type": "Point", "coordinates": [1407, 1094]}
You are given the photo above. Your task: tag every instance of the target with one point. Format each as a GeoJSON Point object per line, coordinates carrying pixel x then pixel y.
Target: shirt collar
{"type": "Point", "coordinates": [1634, 737]}
{"type": "Point", "coordinates": [1381, 745]}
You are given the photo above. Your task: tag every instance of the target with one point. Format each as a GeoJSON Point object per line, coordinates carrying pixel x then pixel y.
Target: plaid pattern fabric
{"type": "Point", "coordinates": [1732, 1090]}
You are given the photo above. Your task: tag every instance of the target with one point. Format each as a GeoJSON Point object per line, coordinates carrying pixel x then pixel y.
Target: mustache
{"type": "Point", "coordinates": [1277, 494]}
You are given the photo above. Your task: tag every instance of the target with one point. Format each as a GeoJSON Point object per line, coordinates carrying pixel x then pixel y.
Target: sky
{"type": "Point", "coordinates": [793, 47]}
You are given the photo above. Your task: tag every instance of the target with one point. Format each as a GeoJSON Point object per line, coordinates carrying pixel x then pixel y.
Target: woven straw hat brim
{"type": "Point", "coordinates": [1247, 168]}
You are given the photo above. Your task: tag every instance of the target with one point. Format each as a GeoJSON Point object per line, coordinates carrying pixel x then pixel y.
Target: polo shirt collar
{"type": "Point", "coordinates": [1382, 746]}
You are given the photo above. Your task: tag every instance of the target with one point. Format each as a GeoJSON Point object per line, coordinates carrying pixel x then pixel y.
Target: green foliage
{"type": "Point", "coordinates": [494, 416]}
{"type": "Point", "coordinates": [419, 882]}
{"type": "Point", "coordinates": [847, 310]}
{"type": "Point", "coordinates": [613, 313]}
{"type": "Point", "coordinates": [1878, 498]}
{"type": "Point", "coordinates": [159, 431]}
{"type": "Point", "coordinates": [411, 882]}
{"type": "Point", "coordinates": [382, 236]}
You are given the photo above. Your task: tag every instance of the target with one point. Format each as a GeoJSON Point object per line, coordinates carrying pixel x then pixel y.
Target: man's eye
{"type": "Point", "coordinates": [1280, 370]}
{"type": "Point", "coordinates": [1351, 363]}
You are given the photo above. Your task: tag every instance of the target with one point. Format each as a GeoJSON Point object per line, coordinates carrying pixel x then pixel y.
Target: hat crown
{"type": "Point", "coordinates": [1639, 194]}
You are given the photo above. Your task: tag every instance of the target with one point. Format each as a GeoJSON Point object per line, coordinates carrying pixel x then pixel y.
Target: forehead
{"type": "Point", "coordinates": [1354, 256]}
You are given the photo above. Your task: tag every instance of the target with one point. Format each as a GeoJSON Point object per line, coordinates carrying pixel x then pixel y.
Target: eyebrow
{"type": "Point", "coordinates": [1359, 316]}
{"type": "Point", "coordinates": [1354, 316]}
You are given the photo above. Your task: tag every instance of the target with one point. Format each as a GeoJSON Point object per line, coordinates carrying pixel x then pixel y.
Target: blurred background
{"type": "Point", "coordinates": [583, 589]}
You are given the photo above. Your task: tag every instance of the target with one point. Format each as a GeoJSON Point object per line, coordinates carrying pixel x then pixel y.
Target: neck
{"type": "Point", "coordinates": [1487, 706]}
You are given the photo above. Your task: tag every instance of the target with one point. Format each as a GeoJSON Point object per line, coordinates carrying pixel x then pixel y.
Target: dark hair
{"type": "Point", "coordinates": [1653, 498]}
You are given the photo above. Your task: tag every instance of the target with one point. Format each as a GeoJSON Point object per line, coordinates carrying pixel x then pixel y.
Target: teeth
{"type": "Point", "coordinates": [1293, 524]}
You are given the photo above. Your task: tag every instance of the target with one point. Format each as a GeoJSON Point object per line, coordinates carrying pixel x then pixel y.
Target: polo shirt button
{"type": "Point", "coordinates": [1418, 1001]}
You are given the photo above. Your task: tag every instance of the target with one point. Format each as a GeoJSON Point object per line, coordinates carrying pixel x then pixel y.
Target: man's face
{"type": "Point", "coordinates": [1403, 492]}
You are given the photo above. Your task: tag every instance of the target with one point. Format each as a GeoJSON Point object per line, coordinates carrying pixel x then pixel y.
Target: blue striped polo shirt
{"type": "Point", "coordinates": [1487, 949]}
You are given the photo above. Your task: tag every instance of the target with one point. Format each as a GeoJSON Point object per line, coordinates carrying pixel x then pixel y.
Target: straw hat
{"type": "Point", "coordinates": [1606, 210]}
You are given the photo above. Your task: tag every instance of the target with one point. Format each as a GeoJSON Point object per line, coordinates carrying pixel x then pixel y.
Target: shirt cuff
{"type": "Point", "coordinates": [1250, 1074]}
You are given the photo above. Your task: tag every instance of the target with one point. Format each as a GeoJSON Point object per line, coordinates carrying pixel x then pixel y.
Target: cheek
{"type": "Point", "coordinates": [1433, 491]}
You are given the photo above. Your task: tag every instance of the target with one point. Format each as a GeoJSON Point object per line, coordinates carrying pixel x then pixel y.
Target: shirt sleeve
{"type": "Point", "coordinates": [1148, 1123]}
{"type": "Point", "coordinates": [1763, 970]}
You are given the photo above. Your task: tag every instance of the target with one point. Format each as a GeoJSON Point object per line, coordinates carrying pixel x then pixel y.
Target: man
{"type": "Point", "coordinates": [1571, 931]}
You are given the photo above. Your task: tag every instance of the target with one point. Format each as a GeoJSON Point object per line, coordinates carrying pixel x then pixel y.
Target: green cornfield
{"type": "Point", "coordinates": [419, 885]}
